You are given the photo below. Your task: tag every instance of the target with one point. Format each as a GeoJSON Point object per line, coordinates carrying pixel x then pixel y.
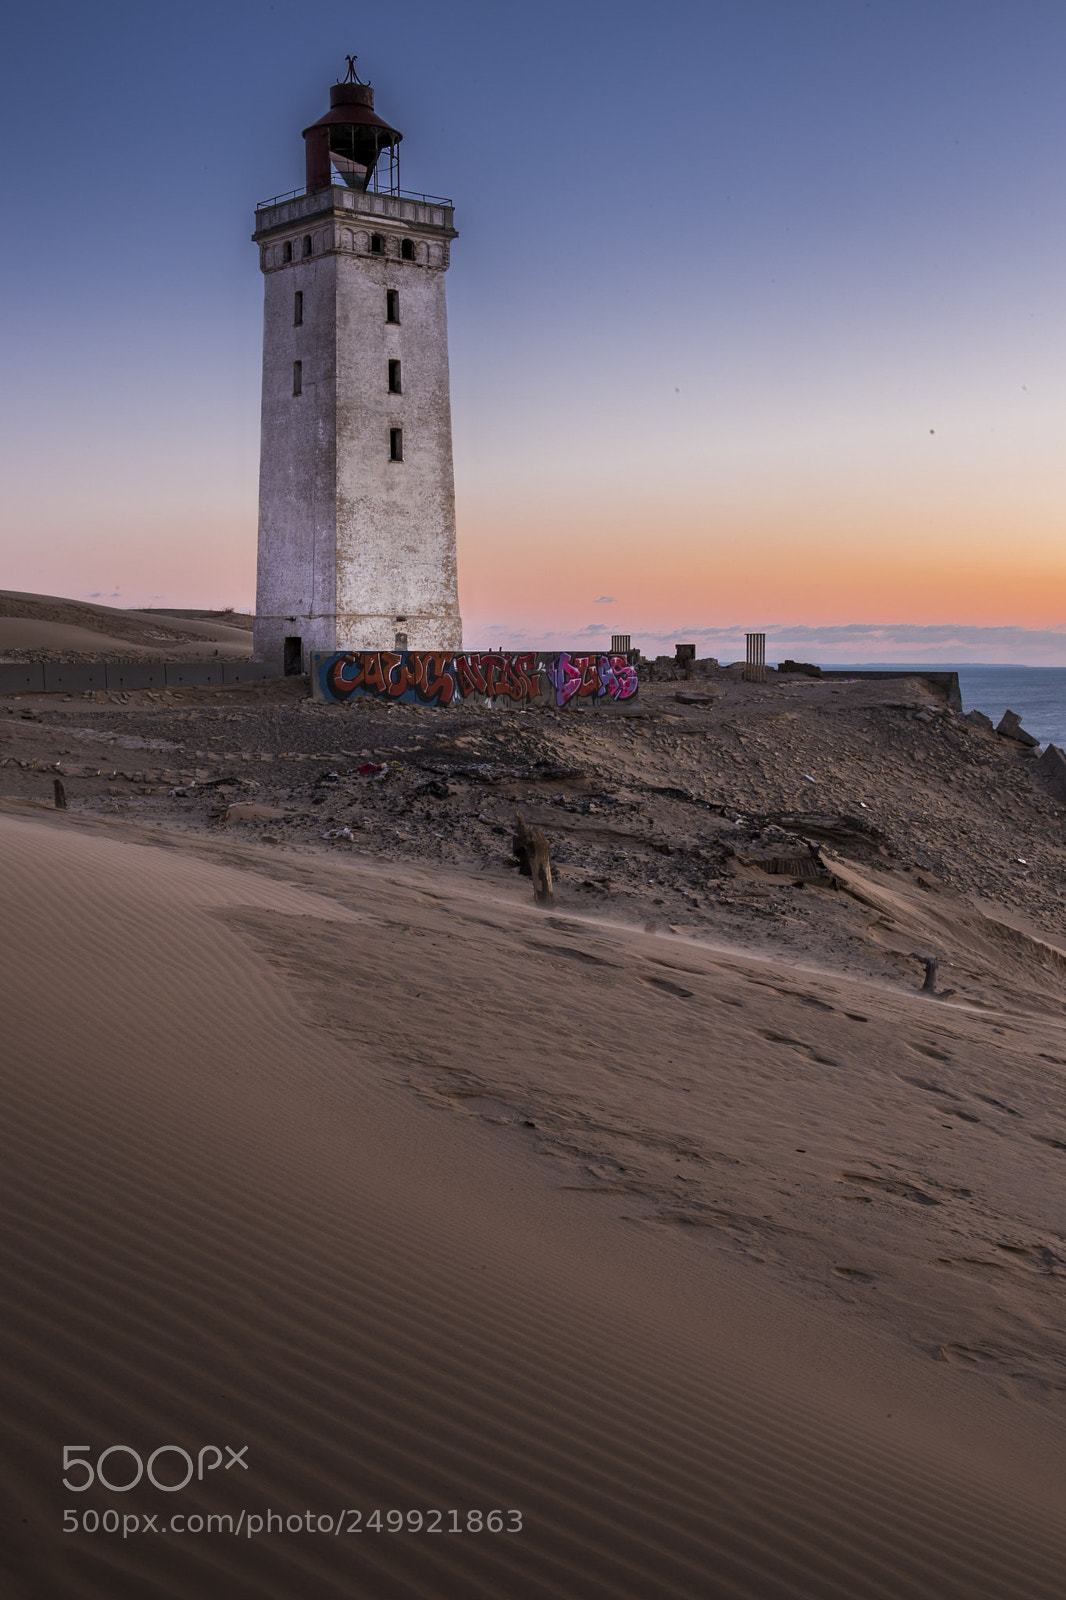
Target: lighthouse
{"type": "Point", "coordinates": [356, 488]}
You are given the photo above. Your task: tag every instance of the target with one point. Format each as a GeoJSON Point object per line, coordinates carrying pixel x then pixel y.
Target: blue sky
{"type": "Point", "coordinates": [757, 310]}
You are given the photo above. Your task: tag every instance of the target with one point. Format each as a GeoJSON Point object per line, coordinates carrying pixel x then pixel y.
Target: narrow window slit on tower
{"type": "Point", "coordinates": [286, 250]}
{"type": "Point", "coordinates": [298, 308]}
{"type": "Point", "coordinates": [395, 444]}
{"type": "Point", "coordinates": [377, 244]}
{"type": "Point", "coordinates": [394, 378]}
{"type": "Point", "coordinates": [392, 305]}
{"type": "Point", "coordinates": [308, 244]}
{"type": "Point", "coordinates": [407, 250]}
{"type": "Point", "coordinates": [297, 377]}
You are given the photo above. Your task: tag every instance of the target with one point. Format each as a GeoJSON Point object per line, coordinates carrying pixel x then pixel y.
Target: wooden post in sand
{"type": "Point", "coordinates": [531, 848]}
{"type": "Point", "coordinates": [60, 794]}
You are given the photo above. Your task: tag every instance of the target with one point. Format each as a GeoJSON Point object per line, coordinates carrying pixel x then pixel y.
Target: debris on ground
{"type": "Point", "coordinates": [531, 849]}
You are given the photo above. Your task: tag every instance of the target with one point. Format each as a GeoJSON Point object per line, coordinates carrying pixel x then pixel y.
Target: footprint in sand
{"type": "Point", "coordinates": [569, 952]}
{"type": "Point", "coordinates": [894, 1186]}
{"type": "Point", "coordinates": [671, 988]}
{"type": "Point", "coordinates": [806, 999]}
{"type": "Point", "coordinates": [989, 1101]}
{"type": "Point", "coordinates": [967, 1354]}
{"type": "Point", "coordinates": [973, 1266]}
{"type": "Point", "coordinates": [1043, 1259]}
{"type": "Point", "coordinates": [928, 1085]}
{"type": "Point", "coordinates": [797, 1044]}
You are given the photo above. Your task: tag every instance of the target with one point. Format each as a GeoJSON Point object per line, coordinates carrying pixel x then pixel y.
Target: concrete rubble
{"type": "Point", "coordinates": [1010, 727]}
{"type": "Point", "coordinates": [744, 819]}
{"type": "Point", "coordinates": [1052, 768]}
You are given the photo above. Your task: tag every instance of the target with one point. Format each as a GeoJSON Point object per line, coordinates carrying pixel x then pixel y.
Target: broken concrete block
{"type": "Point", "coordinates": [808, 668]}
{"type": "Point", "coordinates": [1052, 766]}
{"type": "Point", "coordinates": [979, 720]}
{"type": "Point", "coordinates": [1010, 727]}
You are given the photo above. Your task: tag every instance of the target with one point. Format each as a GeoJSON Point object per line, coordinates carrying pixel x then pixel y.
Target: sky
{"type": "Point", "coordinates": [757, 312]}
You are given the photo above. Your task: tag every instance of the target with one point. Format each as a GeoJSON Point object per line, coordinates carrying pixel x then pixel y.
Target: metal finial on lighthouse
{"type": "Point", "coordinates": [353, 76]}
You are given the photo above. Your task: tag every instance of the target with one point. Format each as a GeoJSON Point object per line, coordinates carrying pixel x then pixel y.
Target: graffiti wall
{"type": "Point", "coordinates": [436, 678]}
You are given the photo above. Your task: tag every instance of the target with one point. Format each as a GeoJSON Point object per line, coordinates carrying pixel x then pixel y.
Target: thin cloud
{"type": "Point", "coordinates": [605, 600]}
{"type": "Point", "coordinates": [854, 643]}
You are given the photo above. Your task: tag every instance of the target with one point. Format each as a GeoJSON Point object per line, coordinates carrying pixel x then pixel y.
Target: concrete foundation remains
{"type": "Point", "coordinates": [1009, 726]}
{"type": "Point", "coordinates": [1052, 768]}
{"type": "Point", "coordinates": [943, 683]}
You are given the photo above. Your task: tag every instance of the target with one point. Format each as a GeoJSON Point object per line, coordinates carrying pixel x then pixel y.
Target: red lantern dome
{"type": "Point", "coordinates": [348, 139]}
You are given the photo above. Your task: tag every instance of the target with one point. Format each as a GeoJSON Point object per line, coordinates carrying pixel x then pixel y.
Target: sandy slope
{"type": "Point", "coordinates": [42, 624]}
{"type": "Point", "coordinates": [242, 1210]}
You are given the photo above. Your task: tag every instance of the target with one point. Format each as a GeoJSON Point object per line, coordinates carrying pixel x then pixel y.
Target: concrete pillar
{"type": "Point", "coordinates": [755, 661]}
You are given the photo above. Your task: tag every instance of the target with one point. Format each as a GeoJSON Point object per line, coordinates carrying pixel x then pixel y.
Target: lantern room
{"type": "Point", "coordinates": [350, 140]}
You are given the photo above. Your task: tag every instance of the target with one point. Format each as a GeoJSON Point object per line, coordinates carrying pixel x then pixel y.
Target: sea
{"type": "Point", "coordinates": [1037, 694]}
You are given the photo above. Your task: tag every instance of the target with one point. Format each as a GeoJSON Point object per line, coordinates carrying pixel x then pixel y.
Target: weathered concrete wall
{"type": "Point", "coordinates": [946, 683]}
{"type": "Point", "coordinates": [440, 678]}
{"type": "Point", "coordinates": [74, 677]}
{"type": "Point", "coordinates": [298, 458]}
{"type": "Point", "coordinates": [355, 548]}
{"type": "Point", "coordinates": [395, 519]}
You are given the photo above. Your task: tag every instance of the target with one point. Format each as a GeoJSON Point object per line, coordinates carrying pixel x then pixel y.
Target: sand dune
{"type": "Point", "coordinates": [47, 623]}
{"type": "Point", "coordinates": [271, 1182]}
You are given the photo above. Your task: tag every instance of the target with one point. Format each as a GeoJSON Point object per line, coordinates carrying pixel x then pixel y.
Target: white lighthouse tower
{"type": "Point", "coordinates": [356, 493]}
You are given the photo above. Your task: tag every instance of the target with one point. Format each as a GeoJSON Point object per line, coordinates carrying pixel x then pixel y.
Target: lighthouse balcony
{"type": "Point", "coordinates": [421, 210]}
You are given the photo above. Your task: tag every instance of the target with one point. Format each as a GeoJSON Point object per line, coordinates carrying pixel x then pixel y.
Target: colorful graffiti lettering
{"type": "Point", "coordinates": [425, 676]}
{"type": "Point", "coordinates": [437, 678]}
{"type": "Point", "coordinates": [619, 677]}
{"type": "Point", "coordinates": [591, 675]}
{"type": "Point", "coordinates": [493, 673]}
{"type": "Point", "coordinates": [565, 678]}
